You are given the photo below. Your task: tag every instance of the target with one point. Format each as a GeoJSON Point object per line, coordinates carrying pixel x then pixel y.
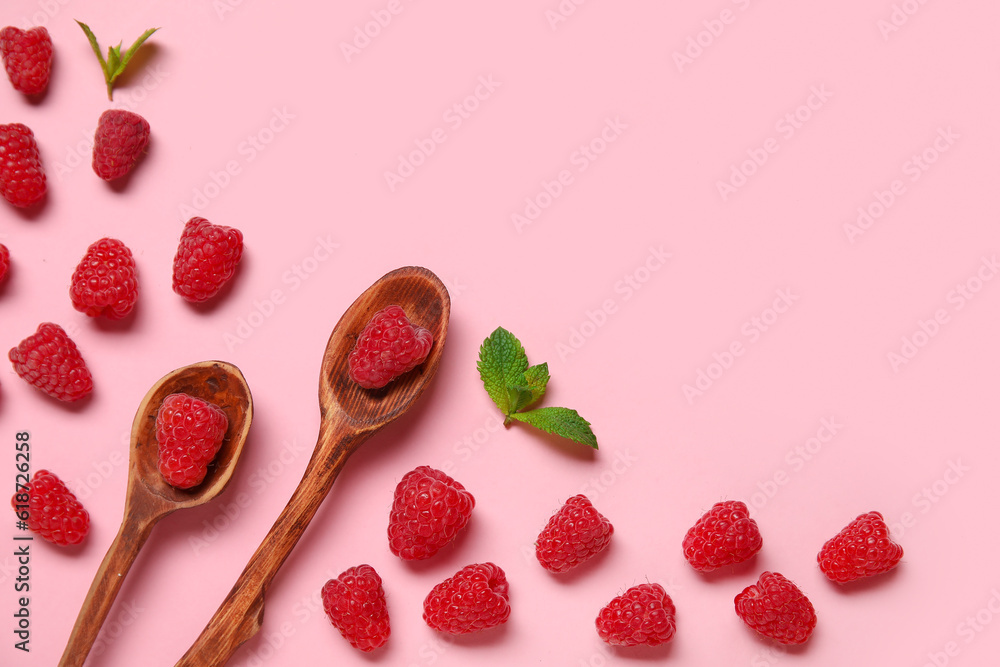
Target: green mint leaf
{"type": "Point", "coordinates": [536, 378]}
{"type": "Point", "coordinates": [502, 363]}
{"type": "Point", "coordinates": [563, 422]}
{"type": "Point", "coordinates": [116, 62]}
{"type": "Point", "coordinates": [519, 397]}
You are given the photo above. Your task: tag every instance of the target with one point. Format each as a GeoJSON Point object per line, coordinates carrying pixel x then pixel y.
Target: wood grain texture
{"type": "Point", "coordinates": [149, 498]}
{"type": "Point", "coordinates": [349, 416]}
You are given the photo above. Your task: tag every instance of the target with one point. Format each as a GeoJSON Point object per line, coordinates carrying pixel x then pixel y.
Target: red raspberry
{"type": "Point", "coordinates": [120, 139]}
{"type": "Point", "coordinates": [206, 259]}
{"type": "Point", "coordinates": [355, 603]}
{"type": "Point", "coordinates": [189, 432]}
{"type": "Point", "coordinates": [862, 549]}
{"type": "Point", "coordinates": [776, 608]}
{"type": "Point", "coordinates": [428, 510]}
{"type": "Point", "coordinates": [52, 510]}
{"type": "Point", "coordinates": [475, 598]}
{"type": "Point", "coordinates": [27, 56]}
{"type": "Point", "coordinates": [573, 535]}
{"type": "Point", "coordinates": [4, 261]}
{"type": "Point", "coordinates": [104, 282]}
{"type": "Point", "coordinates": [388, 347]}
{"type": "Point", "coordinates": [644, 615]}
{"type": "Point", "coordinates": [50, 361]}
{"type": "Point", "coordinates": [725, 535]}
{"type": "Point", "coordinates": [22, 178]}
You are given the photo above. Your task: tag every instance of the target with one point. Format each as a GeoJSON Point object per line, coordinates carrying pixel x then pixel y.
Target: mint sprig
{"type": "Point", "coordinates": [515, 386]}
{"type": "Point", "coordinates": [115, 63]}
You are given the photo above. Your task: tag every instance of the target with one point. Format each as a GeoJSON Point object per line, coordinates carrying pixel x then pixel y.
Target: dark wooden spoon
{"type": "Point", "coordinates": [149, 498]}
{"type": "Point", "coordinates": [349, 416]}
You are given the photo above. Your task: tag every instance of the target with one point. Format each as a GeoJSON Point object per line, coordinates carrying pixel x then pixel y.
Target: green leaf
{"type": "Point", "coordinates": [116, 62]}
{"type": "Point", "coordinates": [535, 379]}
{"type": "Point", "coordinates": [519, 397]}
{"type": "Point", "coordinates": [502, 363]}
{"type": "Point", "coordinates": [563, 422]}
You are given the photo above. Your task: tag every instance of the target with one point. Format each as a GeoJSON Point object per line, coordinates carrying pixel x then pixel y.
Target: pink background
{"type": "Point", "coordinates": [635, 275]}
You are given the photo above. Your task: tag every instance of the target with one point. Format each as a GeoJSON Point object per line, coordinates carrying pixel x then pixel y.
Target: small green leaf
{"type": "Point", "coordinates": [93, 44]}
{"type": "Point", "coordinates": [519, 397]}
{"type": "Point", "coordinates": [536, 378]}
{"type": "Point", "coordinates": [135, 46]}
{"type": "Point", "coordinates": [502, 363]}
{"type": "Point", "coordinates": [116, 62]}
{"type": "Point", "coordinates": [563, 422]}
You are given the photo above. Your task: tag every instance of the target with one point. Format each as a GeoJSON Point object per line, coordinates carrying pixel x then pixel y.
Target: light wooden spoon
{"type": "Point", "coordinates": [149, 498]}
{"type": "Point", "coordinates": [349, 416]}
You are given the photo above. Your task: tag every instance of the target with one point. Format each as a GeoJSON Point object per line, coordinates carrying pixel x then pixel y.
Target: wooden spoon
{"type": "Point", "coordinates": [149, 498]}
{"type": "Point", "coordinates": [349, 416]}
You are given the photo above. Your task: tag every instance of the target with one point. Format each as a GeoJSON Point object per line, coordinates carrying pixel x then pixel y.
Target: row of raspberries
{"type": "Point", "coordinates": [105, 283]}
{"type": "Point", "coordinates": [430, 508]}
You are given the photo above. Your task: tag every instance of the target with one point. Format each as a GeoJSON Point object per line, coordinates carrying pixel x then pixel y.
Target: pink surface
{"type": "Point", "coordinates": [687, 256]}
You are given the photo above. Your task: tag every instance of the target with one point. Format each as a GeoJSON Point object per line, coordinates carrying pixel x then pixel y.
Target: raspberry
{"type": "Point", "coordinates": [776, 608]}
{"type": "Point", "coordinates": [725, 535]}
{"type": "Point", "coordinates": [22, 178]}
{"type": "Point", "coordinates": [387, 347]}
{"type": "Point", "coordinates": [4, 261]}
{"type": "Point", "coordinates": [355, 603]}
{"type": "Point", "coordinates": [573, 535]}
{"type": "Point", "coordinates": [120, 139]}
{"type": "Point", "coordinates": [862, 549]}
{"type": "Point", "coordinates": [104, 282]}
{"type": "Point", "coordinates": [50, 361]}
{"type": "Point", "coordinates": [189, 432]}
{"type": "Point", "coordinates": [27, 56]}
{"type": "Point", "coordinates": [206, 259]}
{"type": "Point", "coordinates": [52, 510]}
{"type": "Point", "coordinates": [644, 615]}
{"type": "Point", "coordinates": [428, 510]}
{"type": "Point", "coordinates": [475, 598]}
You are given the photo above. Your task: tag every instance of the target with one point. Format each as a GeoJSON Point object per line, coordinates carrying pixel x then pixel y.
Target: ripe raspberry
{"type": "Point", "coordinates": [355, 603]}
{"type": "Point", "coordinates": [27, 56]}
{"type": "Point", "coordinates": [862, 549]}
{"type": "Point", "coordinates": [120, 139]}
{"type": "Point", "coordinates": [776, 608]}
{"type": "Point", "coordinates": [644, 615]}
{"type": "Point", "coordinates": [388, 347]}
{"type": "Point", "coordinates": [4, 261]}
{"type": "Point", "coordinates": [50, 361]}
{"type": "Point", "coordinates": [475, 598]}
{"type": "Point", "coordinates": [104, 282]}
{"type": "Point", "coordinates": [428, 510]}
{"type": "Point", "coordinates": [573, 535]}
{"type": "Point", "coordinates": [52, 510]}
{"type": "Point", "coordinates": [206, 259]}
{"type": "Point", "coordinates": [189, 432]}
{"type": "Point", "coordinates": [725, 535]}
{"type": "Point", "coordinates": [22, 178]}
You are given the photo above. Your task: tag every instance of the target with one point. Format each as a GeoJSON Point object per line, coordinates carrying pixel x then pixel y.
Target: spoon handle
{"type": "Point", "coordinates": [241, 614]}
{"type": "Point", "coordinates": [133, 533]}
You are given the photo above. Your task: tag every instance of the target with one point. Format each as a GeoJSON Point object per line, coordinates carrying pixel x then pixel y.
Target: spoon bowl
{"type": "Point", "coordinates": [350, 415]}
{"type": "Point", "coordinates": [149, 497]}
